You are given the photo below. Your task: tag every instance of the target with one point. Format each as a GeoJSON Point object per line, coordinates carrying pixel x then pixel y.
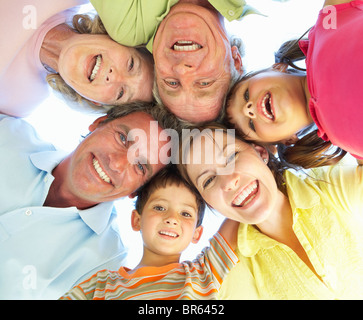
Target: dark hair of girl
{"type": "Point", "coordinates": [310, 150]}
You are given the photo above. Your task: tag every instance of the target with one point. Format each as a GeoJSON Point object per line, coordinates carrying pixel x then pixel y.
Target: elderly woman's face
{"type": "Point", "coordinates": [105, 72]}
{"type": "Point", "coordinates": [232, 177]}
{"type": "Point", "coordinates": [193, 58]}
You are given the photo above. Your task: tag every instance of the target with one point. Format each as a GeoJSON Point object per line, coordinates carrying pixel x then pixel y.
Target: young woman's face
{"type": "Point", "coordinates": [234, 178]}
{"type": "Point", "coordinates": [105, 72]}
{"type": "Point", "coordinates": [270, 106]}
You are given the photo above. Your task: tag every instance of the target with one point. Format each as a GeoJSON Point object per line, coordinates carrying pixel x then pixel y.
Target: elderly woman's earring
{"type": "Point", "coordinates": [265, 160]}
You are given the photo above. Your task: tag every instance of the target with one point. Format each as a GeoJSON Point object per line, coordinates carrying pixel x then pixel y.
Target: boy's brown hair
{"type": "Point", "coordinates": [165, 177]}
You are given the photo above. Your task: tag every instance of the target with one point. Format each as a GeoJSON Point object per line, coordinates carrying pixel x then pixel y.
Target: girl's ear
{"type": "Point", "coordinates": [94, 125]}
{"type": "Point", "coordinates": [281, 67]}
{"type": "Point", "coordinates": [291, 140]}
{"type": "Point", "coordinates": [237, 59]}
{"type": "Point", "coordinates": [197, 234]}
{"type": "Point", "coordinates": [135, 221]}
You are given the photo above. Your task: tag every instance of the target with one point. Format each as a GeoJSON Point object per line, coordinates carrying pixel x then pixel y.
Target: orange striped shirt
{"type": "Point", "coordinates": [197, 279]}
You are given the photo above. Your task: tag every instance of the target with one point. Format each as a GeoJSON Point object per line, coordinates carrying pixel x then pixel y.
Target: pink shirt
{"type": "Point", "coordinates": [334, 62]}
{"type": "Point", "coordinates": [23, 26]}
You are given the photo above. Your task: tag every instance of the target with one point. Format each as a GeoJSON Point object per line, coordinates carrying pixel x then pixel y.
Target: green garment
{"type": "Point", "coordinates": [135, 22]}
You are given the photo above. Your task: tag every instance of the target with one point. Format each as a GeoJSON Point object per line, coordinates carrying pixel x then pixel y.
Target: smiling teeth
{"type": "Point", "coordinates": [96, 67]}
{"type": "Point", "coordinates": [264, 110]}
{"type": "Point", "coordinates": [185, 45]}
{"type": "Point", "coordinates": [170, 234]}
{"type": "Point", "coordinates": [245, 194]}
{"type": "Point", "coordinates": [100, 172]}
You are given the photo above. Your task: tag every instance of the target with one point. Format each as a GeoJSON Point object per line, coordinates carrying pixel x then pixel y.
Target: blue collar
{"type": "Point", "coordinates": [96, 217]}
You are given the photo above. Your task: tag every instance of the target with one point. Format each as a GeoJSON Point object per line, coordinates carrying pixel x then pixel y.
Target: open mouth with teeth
{"type": "Point", "coordinates": [246, 195]}
{"type": "Point", "coordinates": [100, 172]}
{"type": "Point", "coordinates": [168, 234]}
{"type": "Point", "coordinates": [94, 67]}
{"type": "Point", "coordinates": [186, 45]}
{"type": "Point", "coordinates": [266, 106]}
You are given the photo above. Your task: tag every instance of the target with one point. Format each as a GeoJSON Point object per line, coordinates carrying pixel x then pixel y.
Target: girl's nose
{"type": "Point", "coordinates": [248, 110]}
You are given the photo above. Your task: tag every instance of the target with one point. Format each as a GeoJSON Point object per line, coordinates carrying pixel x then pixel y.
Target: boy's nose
{"type": "Point", "coordinates": [171, 219]}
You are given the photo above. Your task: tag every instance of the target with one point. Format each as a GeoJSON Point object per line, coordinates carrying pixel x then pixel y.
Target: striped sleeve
{"type": "Point", "coordinates": [219, 258]}
{"type": "Point", "coordinates": [76, 293]}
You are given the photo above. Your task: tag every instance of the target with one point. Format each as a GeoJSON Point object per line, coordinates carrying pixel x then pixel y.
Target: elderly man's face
{"type": "Point", "coordinates": [114, 160]}
{"type": "Point", "coordinates": [193, 58]}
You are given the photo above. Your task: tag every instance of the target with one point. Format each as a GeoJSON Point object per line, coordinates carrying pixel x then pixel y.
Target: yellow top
{"type": "Point", "coordinates": [328, 221]}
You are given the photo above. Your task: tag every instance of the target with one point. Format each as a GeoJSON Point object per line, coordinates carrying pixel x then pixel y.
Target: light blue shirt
{"type": "Point", "coordinates": [45, 251]}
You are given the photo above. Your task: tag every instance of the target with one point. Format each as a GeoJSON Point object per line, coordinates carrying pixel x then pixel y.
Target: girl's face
{"type": "Point", "coordinates": [103, 71]}
{"type": "Point", "coordinates": [271, 106]}
{"type": "Point", "coordinates": [234, 179]}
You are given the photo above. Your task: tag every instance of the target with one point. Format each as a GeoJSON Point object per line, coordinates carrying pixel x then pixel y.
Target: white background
{"type": "Point", "coordinates": [262, 36]}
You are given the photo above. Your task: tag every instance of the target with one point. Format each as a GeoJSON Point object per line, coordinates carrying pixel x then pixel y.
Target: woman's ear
{"type": "Point", "coordinates": [197, 234]}
{"type": "Point", "coordinates": [135, 220]}
{"type": "Point", "coordinates": [262, 151]}
{"type": "Point", "coordinates": [281, 67]}
{"type": "Point", "coordinates": [95, 124]}
{"type": "Point", "coordinates": [237, 59]}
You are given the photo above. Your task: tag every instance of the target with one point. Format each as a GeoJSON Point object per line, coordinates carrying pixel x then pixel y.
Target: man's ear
{"type": "Point", "coordinates": [280, 66]}
{"type": "Point", "coordinates": [132, 195]}
{"type": "Point", "coordinates": [95, 124]}
{"type": "Point", "coordinates": [135, 220]}
{"type": "Point", "coordinates": [197, 234]}
{"type": "Point", "coordinates": [237, 59]}
{"type": "Point", "coordinates": [290, 141]}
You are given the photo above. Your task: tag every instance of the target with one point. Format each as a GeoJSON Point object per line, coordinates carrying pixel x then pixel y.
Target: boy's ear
{"type": "Point", "coordinates": [280, 66]}
{"type": "Point", "coordinates": [135, 220]}
{"type": "Point", "coordinates": [94, 125]}
{"type": "Point", "coordinates": [291, 140]}
{"type": "Point", "coordinates": [197, 234]}
{"type": "Point", "coordinates": [237, 59]}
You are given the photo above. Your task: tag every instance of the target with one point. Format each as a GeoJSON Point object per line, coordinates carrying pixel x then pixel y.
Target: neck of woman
{"type": "Point", "coordinates": [52, 45]}
{"type": "Point", "coordinates": [279, 225]}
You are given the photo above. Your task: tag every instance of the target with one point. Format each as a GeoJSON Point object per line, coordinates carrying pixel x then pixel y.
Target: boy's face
{"type": "Point", "coordinates": [168, 221]}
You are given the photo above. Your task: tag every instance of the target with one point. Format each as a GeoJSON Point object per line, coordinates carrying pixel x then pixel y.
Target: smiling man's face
{"type": "Point", "coordinates": [102, 168]}
{"type": "Point", "coordinates": [193, 59]}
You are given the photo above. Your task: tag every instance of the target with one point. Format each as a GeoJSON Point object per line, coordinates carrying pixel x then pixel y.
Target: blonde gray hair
{"type": "Point", "coordinates": [84, 24]}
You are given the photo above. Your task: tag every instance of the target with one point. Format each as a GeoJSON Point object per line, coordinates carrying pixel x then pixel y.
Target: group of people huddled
{"type": "Point", "coordinates": [147, 66]}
